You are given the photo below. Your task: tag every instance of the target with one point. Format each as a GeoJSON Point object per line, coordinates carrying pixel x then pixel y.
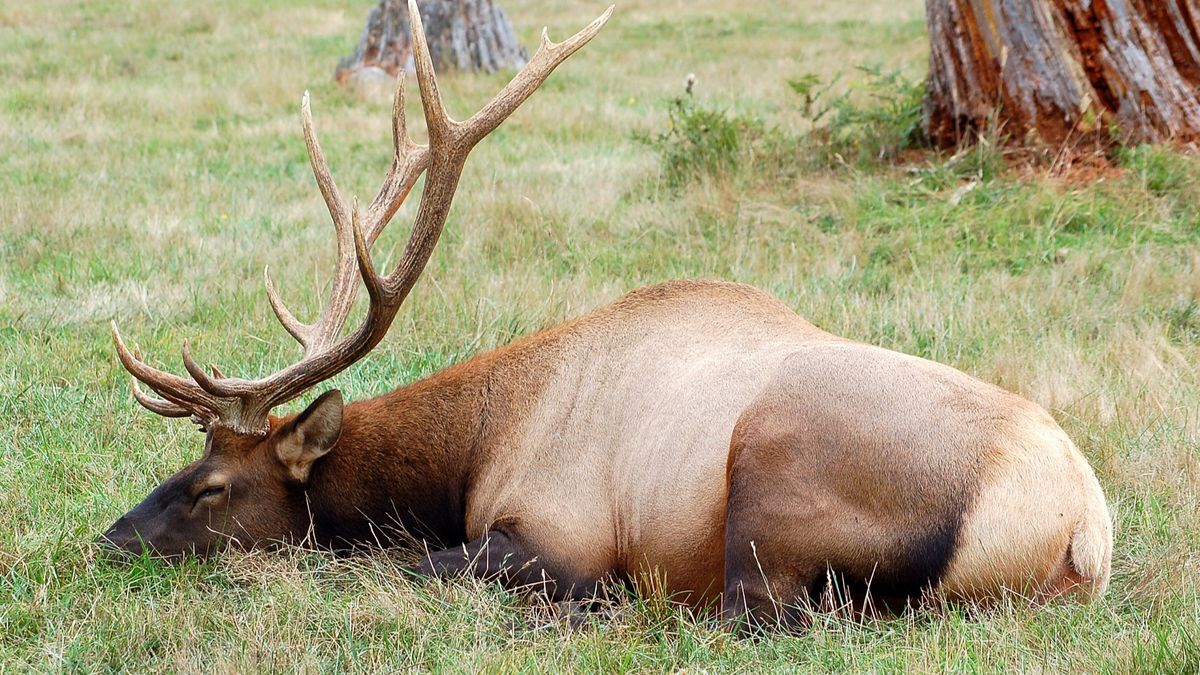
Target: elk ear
{"type": "Point", "coordinates": [310, 435]}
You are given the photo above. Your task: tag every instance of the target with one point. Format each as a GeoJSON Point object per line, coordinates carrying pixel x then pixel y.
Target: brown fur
{"type": "Point", "coordinates": [703, 435]}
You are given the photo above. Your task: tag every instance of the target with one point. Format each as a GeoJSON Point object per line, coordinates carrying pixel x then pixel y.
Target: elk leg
{"type": "Point", "coordinates": [753, 599]}
{"type": "Point", "coordinates": [776, 536]}
{"type": "Point", "coordinates": [773, 562]}
{"type": "Point", "coordinates": [499, 556]}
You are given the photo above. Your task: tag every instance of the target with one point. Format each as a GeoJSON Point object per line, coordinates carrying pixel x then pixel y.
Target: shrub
{"type": "Point", "coordinates": [871, 121]}
{"type": "Point", "coordinates": [700, 140]}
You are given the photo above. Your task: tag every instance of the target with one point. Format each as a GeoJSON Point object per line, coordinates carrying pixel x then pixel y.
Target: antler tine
{"type": "Point", "coordinates": [548, 56]}
{"type": "Point", "coordinates": [366, 268]}
{"type": "Point", "coordinates": [409, 161]}
{"type": "Point", "coordinates": [292, 325]}
{"type": "Point", "coordinates": [316, 158]}
{"type": "Point", "coordinates": [328, 326]}
{"type": "Point", "coordinates": [157, 405]}
{"type": "Point", "coordinates": [401, 142]}
{"type": "Point", "coordinates": [176, 390]}
{"type": "Point", "coordinates": [437, 121]}
{"type": "Point", "coordinates": [207, 382]}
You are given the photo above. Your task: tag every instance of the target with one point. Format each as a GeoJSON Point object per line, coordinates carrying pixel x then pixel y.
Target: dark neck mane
{"type": "Point", "coordinates": [401, 468]}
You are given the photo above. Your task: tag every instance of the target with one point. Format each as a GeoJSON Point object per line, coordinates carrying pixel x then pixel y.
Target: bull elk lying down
{"type": "Point", "coordinates": [698, 436]}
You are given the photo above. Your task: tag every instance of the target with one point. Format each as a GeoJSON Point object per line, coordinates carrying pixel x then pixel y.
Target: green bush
{"type": "Point", "coordinates": [872, 120]}
{"type": "Point", "coordinates": [700, 140]}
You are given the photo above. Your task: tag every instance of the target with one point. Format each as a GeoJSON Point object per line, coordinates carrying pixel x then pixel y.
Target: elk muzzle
{"type": "Point", "coordinates": [165, 525]}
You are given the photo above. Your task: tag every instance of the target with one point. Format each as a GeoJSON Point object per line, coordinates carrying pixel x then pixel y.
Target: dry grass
{"type": "Point", "coordinates": [151, 164]}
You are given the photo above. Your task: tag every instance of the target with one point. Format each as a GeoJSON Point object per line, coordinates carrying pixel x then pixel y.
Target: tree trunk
{"type": "Point", "coordinates": [472, 35]}
{"type": "Point", "coordinates": [1058, 71]}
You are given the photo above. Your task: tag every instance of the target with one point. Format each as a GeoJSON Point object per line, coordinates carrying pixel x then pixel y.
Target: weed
{"type": "Point", "coordinates": [873, 119]}
{"type": "Point", "coordinates": [700, 140]}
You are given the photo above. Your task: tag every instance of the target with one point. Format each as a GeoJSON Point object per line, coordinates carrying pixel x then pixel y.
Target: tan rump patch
{"type": "Point", "coordinates": [1018, 530]}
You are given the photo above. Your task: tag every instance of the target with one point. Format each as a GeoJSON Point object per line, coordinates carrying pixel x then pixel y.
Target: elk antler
{"type": "Point", "coordinates": [243, 405]}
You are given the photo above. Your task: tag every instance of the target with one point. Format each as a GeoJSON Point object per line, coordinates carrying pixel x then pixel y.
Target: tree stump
{"type": "Point", "coordinates": [471, 35]}
{"type": "Point", "coordinates": [1056, 71]}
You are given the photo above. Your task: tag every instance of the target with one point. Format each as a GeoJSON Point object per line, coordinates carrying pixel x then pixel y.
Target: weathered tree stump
{"type": "Point", "coordinates": [471, 35]}
{"type": "Point", "coordinates": [1054, 71]}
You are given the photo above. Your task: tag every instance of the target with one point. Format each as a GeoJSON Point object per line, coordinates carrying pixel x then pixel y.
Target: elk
{"type": "Point", "coordinates": [695, 436]}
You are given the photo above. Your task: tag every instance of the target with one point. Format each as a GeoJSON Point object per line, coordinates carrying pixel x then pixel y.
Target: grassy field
{"type": "Point", "coordinates": [151, 164]}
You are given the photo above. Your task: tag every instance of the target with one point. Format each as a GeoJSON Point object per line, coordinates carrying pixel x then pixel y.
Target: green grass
{"type": "Point", "coordinates": [151, 164]}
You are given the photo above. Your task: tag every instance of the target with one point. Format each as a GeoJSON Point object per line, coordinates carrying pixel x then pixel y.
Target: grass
{"type": "Point", "coordinates": [151, 165]}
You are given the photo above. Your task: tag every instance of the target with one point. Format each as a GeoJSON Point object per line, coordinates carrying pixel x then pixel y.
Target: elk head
{"type": "Point", "coordinates": [248, 487]}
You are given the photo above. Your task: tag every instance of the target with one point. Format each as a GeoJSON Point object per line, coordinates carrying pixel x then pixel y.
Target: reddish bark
{"type": "Point", "coordinates": [1052, 71]}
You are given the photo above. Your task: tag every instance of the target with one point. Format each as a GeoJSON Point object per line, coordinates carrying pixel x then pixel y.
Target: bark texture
{"type": "Point", "coordinates": [1052, 71]}
{"type": "Point", "coordinates": [472, 35]}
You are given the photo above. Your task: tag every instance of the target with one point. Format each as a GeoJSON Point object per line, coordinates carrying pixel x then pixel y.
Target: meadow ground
{"type": "Point", "coordinates": [151, 164]}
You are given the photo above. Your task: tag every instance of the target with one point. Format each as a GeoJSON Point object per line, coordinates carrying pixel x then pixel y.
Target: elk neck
{"type": "Point", "coordinates": [403, 464]}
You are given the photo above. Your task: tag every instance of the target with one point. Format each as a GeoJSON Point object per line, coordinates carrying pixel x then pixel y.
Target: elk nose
{"type": "Point", "coordinates": [119, 541]}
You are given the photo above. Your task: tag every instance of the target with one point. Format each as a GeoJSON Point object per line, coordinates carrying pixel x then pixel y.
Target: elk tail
{"type": "Point", "coordinates": [1091, 546]}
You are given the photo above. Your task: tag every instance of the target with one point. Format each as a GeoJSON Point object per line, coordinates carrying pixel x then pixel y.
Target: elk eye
{"type": "Point", "coordinates": [209, 492]}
